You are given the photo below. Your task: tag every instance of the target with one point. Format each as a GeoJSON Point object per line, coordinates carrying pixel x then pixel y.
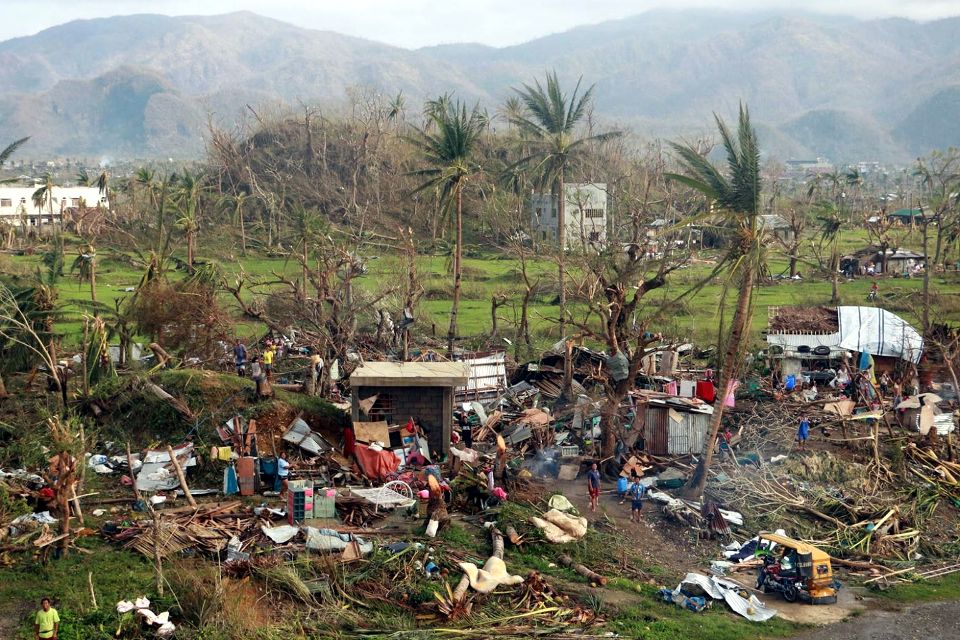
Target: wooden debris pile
{"type": "Point", "coordinates": [207, 530]}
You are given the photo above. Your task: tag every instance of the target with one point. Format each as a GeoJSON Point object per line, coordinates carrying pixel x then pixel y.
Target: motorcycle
{"type": "Point", "coordinates": [777, 575]}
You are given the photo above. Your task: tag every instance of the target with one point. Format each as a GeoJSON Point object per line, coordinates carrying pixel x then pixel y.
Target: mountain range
{"type": "Point", "coordinates": [147, 86]}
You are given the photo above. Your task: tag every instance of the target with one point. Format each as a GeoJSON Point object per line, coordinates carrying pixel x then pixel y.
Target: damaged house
{"type": "Point", "coordinates": [399, 391]}
{"type": "Point", "coordinates": [802, 339]}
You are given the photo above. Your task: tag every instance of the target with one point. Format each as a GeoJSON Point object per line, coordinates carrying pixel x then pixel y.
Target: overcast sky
{"type": "Point", "coordinates": [414, 23]}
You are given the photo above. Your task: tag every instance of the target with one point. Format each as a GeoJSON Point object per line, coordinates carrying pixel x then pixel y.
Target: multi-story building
{"type": "Point", "coordinates": [585, 211]}
{"type": "Point", "coordinates": [17, 206]}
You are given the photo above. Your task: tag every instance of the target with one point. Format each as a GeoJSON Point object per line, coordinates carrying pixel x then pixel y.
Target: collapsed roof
{"type": "Point", "coordinates": [877, 331]}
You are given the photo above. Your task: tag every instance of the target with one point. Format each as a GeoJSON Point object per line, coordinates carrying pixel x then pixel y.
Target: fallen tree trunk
{"type": "Point", "coordinates": [568, 562]}
{"type": "Point", "coordinates": [178, 405]}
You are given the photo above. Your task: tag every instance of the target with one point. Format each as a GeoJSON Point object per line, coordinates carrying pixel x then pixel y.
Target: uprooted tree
{"type": "Point", "coordinates": [614, 284]}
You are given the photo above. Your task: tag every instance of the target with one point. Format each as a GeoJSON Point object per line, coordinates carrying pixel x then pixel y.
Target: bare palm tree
{"type": "Point", "coordinates": [85, 264]}
{"type": "Point", "coordinates": [189, 192]}
{"type": "Point", "coordinates": [447, 143]}
{"type": "Point", "coordinates": [735, 194]}
{"type": "Point", "coordinates": [234, 204]}
{"type": "Point", "coordinates": [43, 197]}
{"type": "Point", "coordinates": [549, 120]}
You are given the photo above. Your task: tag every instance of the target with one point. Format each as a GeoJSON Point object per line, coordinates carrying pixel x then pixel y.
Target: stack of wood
{"type": "Point", "coordinates": [206, 529]}
{"type": "Point", "coordinates": [355, 511]}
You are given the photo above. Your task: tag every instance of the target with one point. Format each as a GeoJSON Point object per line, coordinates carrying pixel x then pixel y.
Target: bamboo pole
{"type": "Point", "coordinates": [181, 478]}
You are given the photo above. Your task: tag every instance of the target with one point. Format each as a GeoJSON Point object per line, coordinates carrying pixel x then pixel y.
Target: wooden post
{"type": "Point", "coordinates": [568, 562]}
{"type": "Point", "coordinates": [181, 478]}
{"type": "Point", "coordinates": [157, 560]}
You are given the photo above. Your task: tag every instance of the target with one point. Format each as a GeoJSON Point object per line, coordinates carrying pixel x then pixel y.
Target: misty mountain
{"type": "Point", "coordinates": [147, 85]}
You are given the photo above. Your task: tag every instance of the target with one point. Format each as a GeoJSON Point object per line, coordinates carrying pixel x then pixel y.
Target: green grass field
{"type": "Point", "coordinates": [493, 273]}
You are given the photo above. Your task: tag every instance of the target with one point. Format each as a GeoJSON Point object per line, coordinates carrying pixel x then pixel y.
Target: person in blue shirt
{"type": "Point", "coordinates": [803, 433]}
{"type": "Point", "coordinates": [283, 470]}
{"type": "Point", "coordinates": [240, 357]}
{"type": "Point", "coordinates": [636, 492]}
{"type": "Point", "coordinates": [593, 486]}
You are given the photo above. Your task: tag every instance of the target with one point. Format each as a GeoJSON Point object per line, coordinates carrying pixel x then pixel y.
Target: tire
{"type": "Point", "coordinates": [790, 593]}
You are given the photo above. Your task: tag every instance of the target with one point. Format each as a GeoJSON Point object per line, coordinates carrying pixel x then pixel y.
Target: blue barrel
{"type": "Point", "coordinates": [621, 485]}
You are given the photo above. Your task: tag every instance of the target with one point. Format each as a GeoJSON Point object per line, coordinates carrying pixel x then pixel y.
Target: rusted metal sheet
{"type": "Point", "coordinates": [657, 430]}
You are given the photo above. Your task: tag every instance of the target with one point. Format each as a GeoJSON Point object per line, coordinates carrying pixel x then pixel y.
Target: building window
{"type": "Point", "coordinates": [6, 202]}
{"type": "Point", "coordinates": [593, 213]}
{"type": "Point", "coordinates": [382, 409]}
{"type": "Point", "coordinates": [594, 236]}
{"type": "Point", "coordinates": [553, 213]}
{"type": "Point", "coordinates": [539, 211]}
{"type": "Point", "coordinates": [75, 202]}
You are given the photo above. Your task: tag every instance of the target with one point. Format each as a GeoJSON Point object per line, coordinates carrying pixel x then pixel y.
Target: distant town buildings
{"type": "Point", "coordinates": [804, 168]}
{"type": "Point", "coordinates": [17, 206]}
{"type": "Point", "coordinates": [585, 212]}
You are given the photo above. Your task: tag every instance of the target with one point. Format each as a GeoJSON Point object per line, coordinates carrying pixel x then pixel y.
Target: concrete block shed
{"type": "Point", "coordinates": [422, 390]}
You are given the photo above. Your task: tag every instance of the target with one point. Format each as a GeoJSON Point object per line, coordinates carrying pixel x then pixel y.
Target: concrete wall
{"type": "Point", "coordinates": [585, 211]}
{"type": "Point", "coordinates": [432, 407]}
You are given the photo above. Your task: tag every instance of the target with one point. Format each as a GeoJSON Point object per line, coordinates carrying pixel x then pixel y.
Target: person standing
{"type": "Point", "coordinates": [593, 486]}
{"type": "Point", "coordinates": [268, 355]}
{"type": "Point", "coordinates": [283, 471]}
{"type": "Point", "coordinates": [46, 623]}
{"type": "Point", "coordinates": [240, 357]}
{"type": "Point", "coordinates": [636, 491]}
{"type": "Point", "coordinates": [803, 433]}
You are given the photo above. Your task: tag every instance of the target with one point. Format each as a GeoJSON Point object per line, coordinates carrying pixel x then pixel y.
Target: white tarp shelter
{"type": "Point", "coordinates": [878, 332]}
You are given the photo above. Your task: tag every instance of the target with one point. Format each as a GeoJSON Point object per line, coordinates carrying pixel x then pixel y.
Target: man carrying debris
{"type": "Point", "coordinates": [46, 623]}
{"type": "Point", "coordinates": [803, 433]}
{"type": "Point", "coordinates": [593, 486]}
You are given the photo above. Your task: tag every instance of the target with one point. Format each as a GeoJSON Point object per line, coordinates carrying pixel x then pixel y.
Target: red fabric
{"type": "Point", "coordinates": [411, 427]}
{"type": "Point", "coordinates": [376, 465]}
{"type": "Point", "coordinates": [349, 442]}
{"type": "Point", "coordinates": [706, 391]}
{"type": "Point", "coordinates": [594, 492]}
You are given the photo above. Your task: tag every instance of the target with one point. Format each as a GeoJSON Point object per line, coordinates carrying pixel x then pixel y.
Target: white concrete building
{"type": "Point", "coordinates": [17, 207]}
{"type": "Point", "coordinates": [585, 211]}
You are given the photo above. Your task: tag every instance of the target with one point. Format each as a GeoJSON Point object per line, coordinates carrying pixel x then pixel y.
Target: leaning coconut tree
{"type": "Point", "coordinates": [735, 197]}
{"type": "Point", "coordinates": [448, 146]}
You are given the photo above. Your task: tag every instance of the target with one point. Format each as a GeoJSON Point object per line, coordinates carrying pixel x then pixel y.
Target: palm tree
{"type": "Point", "coordinates": [85, 264]}
{"type": "Point", "coordinates": [831, 223]}
{"type": "Point", "coordinates": [188, 196]}
{"type": "Point", "coordinates": [43, 197]}
{"type": "Point", "coordinates": [831, 227]}
{"type": "Point", "coordinates": [549, 120]}
{"type": "Point", "coordinates": [9, 151]}
{"type": "Point", "coordinates": [234, 204]}
{"type": "Point", "coordinates": [447, 143]}
{"type": "Point", "coordinates": [736, 195]}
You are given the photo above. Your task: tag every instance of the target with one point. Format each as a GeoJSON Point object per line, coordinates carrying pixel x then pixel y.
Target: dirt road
{"type": "Point", "coordinates": [919, 622]}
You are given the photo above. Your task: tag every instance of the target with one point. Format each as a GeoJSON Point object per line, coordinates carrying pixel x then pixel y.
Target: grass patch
{"type": "Point", "coordinates": [945, 588]}
{"type": "Point", "coordinates": [117, 575]}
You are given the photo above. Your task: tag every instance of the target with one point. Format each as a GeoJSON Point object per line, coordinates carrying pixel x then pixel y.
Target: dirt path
{"type": "Point", "coordinates": [666, 544]}
{"type": "Point", "coordinates": [658, 540]}
{"type": "Point", "coordinates": [919, 622]}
